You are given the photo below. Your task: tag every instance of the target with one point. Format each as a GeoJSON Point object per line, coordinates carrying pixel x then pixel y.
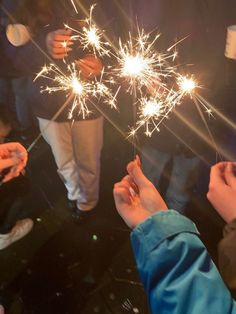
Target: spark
{"type": "Point", "coordinates": [74, 6]}
{"type": "Point", "coordinates": [140, 65]}
{"type": "Point", "coordinates": [128, 306]}
{"type": "Point", "coordinates": [154, 109]}
{"type": "Point", "coordinates": [90, 36]}
{"type": "Point", "coordinates": [186, 85]}
{"type": "Point", "coordinates": [84, 91]}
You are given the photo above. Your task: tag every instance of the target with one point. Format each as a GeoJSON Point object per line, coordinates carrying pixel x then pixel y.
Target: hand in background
{"type": "Point", "coordinates": [58, 43]}
{"type": "Point", "coordinates": [222, 189]}
{"type": "Point", "coordinates": [135, 196]}
{"type": "Point", "coordinates": [14, 156]}
{"type": "Point", "coordinates": [90, 66]}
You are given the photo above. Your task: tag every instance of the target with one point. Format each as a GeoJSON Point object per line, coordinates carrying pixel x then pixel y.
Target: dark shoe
{"type": "Point", "coordinates": [80, 216]}
{"type": "Point", "coordinates": [71, 204]}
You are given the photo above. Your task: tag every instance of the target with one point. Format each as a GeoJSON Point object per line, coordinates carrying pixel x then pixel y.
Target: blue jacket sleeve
{"type": "Point", "coordinates": [176, 270]}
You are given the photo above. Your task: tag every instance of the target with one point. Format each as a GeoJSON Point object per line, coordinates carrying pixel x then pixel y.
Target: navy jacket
{"type": "Point", "coordinates": [30, 58]}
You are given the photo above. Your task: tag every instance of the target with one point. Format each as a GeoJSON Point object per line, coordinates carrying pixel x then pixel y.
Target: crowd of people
{"type": "Point", "coordinates": [175, 268]}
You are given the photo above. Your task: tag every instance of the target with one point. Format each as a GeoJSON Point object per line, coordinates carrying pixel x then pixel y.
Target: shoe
{"type": "Point", "coordinates": [80, 216]}
{"type": "Point", "coordinates": [71, 205]}
{"type": "Point", "coordinates": [21, 229]}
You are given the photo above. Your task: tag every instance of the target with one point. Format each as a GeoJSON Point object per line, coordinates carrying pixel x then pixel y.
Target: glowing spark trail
{"type": "Point", "coordinates": [90, 37]}
{"type": "Point", "coordinates": [153, 80]}
{"type": "Point", "coordinates": [83, 91]}
{"type": "Point", "coordinates": [140, 65]}
{"type": "Point", "coordinates": [74, 6]}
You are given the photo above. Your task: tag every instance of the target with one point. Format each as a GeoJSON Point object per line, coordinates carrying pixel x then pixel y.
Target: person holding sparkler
{"type": "Point", "coordinates": [76, 143]}
{"type": "Point", "coordinates": [185, 137]}
{"type": "Point", "coordinates": [174, 265]}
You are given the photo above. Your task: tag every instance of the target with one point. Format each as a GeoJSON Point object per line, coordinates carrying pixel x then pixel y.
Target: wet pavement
{"type": "Point", "coordinates": [62, 267]}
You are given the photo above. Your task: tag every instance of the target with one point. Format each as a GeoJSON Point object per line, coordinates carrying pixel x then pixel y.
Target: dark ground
{"type": "Point", "coordinates": [61, 267]}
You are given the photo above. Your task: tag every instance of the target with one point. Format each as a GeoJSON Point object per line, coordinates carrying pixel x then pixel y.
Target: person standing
{"type": "Point", "coordinates": [76, 143]}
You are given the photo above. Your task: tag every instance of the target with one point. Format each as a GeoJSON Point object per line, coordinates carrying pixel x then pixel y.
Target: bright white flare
{"type": "Point", "coordinates": [89, 36]}
{"type": "Point", "coordinates": [84, 91]}
{"type": "Point", "coordinates": [187, 85]}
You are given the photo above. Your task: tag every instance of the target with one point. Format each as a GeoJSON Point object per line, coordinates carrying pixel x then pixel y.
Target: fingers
{"type": "Point", "coordinates": [217, 174]}
{"type": "Point", "coordinates": [58, 43]}
{"type": "Point", "coordinates": [12, 174]}
{"type": "Point", "coordinates": [136, 173]}
{"type": "Point", "coordinates": [121, 194]}
{"type": "Point", "coordinates": [90, 66]}
{"type": "Point", "coordinates": [230, 175]}
{"type": "Point", "coordinates": [7, 163]}
{"type": "Point", "coordinates": [14, 156]}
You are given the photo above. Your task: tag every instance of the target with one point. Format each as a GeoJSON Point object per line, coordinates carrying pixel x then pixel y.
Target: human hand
{"type": "Point", "coordinates": [13, 156]}
{"type": "Point", "coordinates": [58, 43]}
{"type": "Point", "coordinates": [135, 196]}
{"type": "Point", "coordinates": [222, 189]}
{"type": "Point", "coordinates": [90, 66]}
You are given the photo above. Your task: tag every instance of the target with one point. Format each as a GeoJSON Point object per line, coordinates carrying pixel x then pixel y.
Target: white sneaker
{"type": "Point", "coordinates": [21, 229]}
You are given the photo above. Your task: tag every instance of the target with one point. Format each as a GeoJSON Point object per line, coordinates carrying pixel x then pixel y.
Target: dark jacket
{"type": "Point", "coordinates": [7, 68]}
{"type": "Point", "coordinates": [30, 58]}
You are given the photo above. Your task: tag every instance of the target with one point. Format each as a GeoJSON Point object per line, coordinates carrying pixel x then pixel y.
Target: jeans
{"type": "Point", "coordinates": [76, 147]}
{"type": "Point", "coordinates": [13, 91]}
{"type": "Point", "coordinates": [182, 179]}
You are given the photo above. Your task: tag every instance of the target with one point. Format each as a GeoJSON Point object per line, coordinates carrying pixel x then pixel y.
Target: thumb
{"type": "Point", "coordinates": [136, 174]}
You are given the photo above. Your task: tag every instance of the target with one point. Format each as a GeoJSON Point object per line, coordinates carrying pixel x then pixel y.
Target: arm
{"type": "Point", "coordinates": [176, 270]}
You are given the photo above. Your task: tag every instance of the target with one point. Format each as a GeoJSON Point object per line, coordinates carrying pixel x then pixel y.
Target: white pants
{"type": "Point", "coordinates": [76, 147]}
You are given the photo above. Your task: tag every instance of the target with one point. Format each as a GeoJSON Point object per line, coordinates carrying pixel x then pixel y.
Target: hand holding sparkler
{"type": "Point", "coordinates": [58, 43]}
{"type": "Point", "coordinates": [13, 158]}
{"type": "Point", "coordinates": [136, 197]}
{"type": "Point", "coordinates": [89, 66]}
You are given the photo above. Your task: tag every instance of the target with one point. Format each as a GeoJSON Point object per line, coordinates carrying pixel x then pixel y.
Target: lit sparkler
{"type": "Point", "coordinates": [83, 91]}
{"type": "Point", "coordinates": [153, 80]}
{"type": "Point", "coordinates": [90, 37]}
{"type": "Point", "coordinates": [74, 6]}
{"type": "Point", "coordinates": [153, 110]}
{"type": "Point", "coordinates": [140, 65]}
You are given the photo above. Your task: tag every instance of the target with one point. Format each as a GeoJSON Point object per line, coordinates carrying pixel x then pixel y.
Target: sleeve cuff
{"type": "Point", "coordinates": [159, 227]}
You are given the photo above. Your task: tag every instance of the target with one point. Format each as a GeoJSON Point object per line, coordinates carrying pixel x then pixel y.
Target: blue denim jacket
{"type": "Point", "coordinates": [176, 269]}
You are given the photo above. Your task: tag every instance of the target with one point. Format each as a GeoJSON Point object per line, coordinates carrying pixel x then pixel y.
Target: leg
{"type": "Point", "coordinates": [87, 144]}
{"type": "Point", "coordinates": [4, 91]}
{"type": "Point", "coordinates": [23, 110]}
{"type": "Point", "coordinates": [183, 178]}
{"type": "Point", "coordinates": [58, 136]}
{"type": "Point", "coordinates": [153, 163]}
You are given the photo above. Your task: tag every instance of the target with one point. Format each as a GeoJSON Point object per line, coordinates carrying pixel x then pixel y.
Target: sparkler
{"type": "Point", "coordinates": [150, 76]}
{"type": "Point", "coordinates": [74, 6]}
{"type": "Point", "coordinates": [154, 109]}
{"type": "Point", "coordinates": [140, 65]}
{"type": "Point", "coordinates": [83, 91]}
{"type": "Point", "coordinates": [90, 37]}
{"type": "Point", "coordinates": [153, 80]}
